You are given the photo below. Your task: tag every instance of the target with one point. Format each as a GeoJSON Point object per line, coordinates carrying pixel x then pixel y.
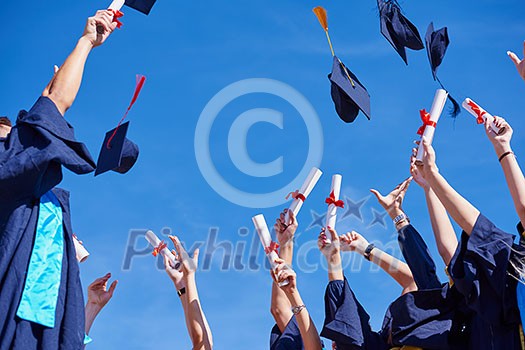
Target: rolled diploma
{"type": "Point", "coordinates": [266, 240]}
{"type": "Point", "coordinates": [116, 5]}
{"type": "Point", "coordinates": [331, 214]}
{"type": "Point", "coordinates": [305, 190]}
{"type": "Point", "coordinates": [483, 114]}
{"type": "Point", "coordinates": [435, 112]}
{"type": "Point", "coordinates": [81, 252]}
{"type": "Point", "coordinates": [155, 241]}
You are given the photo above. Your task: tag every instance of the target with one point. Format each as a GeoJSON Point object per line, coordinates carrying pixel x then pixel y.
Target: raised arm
{"type": "Point", "coordinates": [509, 164]}
{"type": "Point", "coordinates": [444, 234]}
{"type": "Point", "coordinates": [64, 86]}
{"type": "Point", "coordinates": [280, 307]}
{"type": "Point", "coordinates": [520, 64]}
{"type": "Point", "coordinates": [98, 297]}
{"type": "Point", "coordinates": [309, 334]}
{"type": "Point", "coordinates": [199, 329]}
{"type": "Point", "coordinates": [463, 213]}
{"type": "Point", "coordinates": [398, 270]}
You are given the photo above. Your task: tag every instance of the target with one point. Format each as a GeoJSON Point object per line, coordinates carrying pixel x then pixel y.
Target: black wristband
{"type": "Point", "coordinates": [368, 251]}
{"type": "Point", "coordinates": [504, 155]}
{"type": "Point", "coordinates": [181, 291]}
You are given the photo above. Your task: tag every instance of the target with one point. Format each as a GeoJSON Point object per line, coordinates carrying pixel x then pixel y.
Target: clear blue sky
{"type": "Point", "coordinates": [189, 51]}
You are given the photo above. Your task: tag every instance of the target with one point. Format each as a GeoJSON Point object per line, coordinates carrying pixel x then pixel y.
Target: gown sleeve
{"type": "Point", "coordinates": [479, 269]}
{"type": "Point", "coordinates": [418, 258]}
{"type": "Point", "coordinates": [346, 321]}
{"type": "Point", "coordinates": [289, 339]}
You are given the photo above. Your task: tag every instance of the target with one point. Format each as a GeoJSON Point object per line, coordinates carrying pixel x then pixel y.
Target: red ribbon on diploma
{"type": "Point", "coordinates": [296, 195]}
{"type": "Point", "coordinates": [272, 248]}
{"type": "Point", "coordinates": [158, 249]}
{"type": "Point", "coordinates": [140, 80]}
{"type": "Point", "coordinates": [425, 117]}
{"type": "Point", "coordinates": [331, 200]}
{"type": "Point", "coordinates": [116, 15]}
{"type": "Point", "coordinates": [79, 241]}
{"type": "Point", "coordinates": [477, 109]}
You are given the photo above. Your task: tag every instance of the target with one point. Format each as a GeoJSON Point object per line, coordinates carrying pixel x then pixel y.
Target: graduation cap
{"type": "Point", "coordinates": [348, 94]}
{"type": "Point", "coordinates": [397, 29]}
{"type": "Point", "coordinates": [143, 6]}
{"type": "Point", "coordinates": [118, 153]}
{"type": "Point", "coordinates": [437, 42]}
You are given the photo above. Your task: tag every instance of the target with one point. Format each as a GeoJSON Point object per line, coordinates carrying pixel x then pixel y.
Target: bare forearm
{"type": "Point", "coordinates": [397, 269]}
{"type": "Point", "coordinates": [199, 333]}
{"type": "Point", "coordinates": [463, 213]}
{"type": "Point", "coordinates": [514, 178]}
{"type": "Point", "coordinates": [309, 334]}
{"type": "Point", "coordinates": [444, 234]}
{"type": "Point", "coordinates": [64, 88]}
{"type": "Point", "coordinates": [280, 306]}
{"type": "Point", "coordinates": [91, 313]}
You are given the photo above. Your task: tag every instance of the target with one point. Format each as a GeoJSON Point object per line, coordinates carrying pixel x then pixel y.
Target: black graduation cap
{"type": "Point", "coordinates": [348, 94]}
{"type": "Point", "coordinates": [437, 43]}
{"type": "Point", "coordinates": [118, 153]}
{"type": "Point", "coordinates": [143, 6]}
{"type": "Point", "coordinates": [397, 29]}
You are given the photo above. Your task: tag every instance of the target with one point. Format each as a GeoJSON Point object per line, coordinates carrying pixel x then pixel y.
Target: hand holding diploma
{"type": "Point", "coordinates": [300, 196]}
{"type": "Point", "coordinates": [270, 247]}
{"type": "Point", "coordinates": [160, 247]}
{"type": "Point", "coordinates": [333, 201]}
{"type": "Point", "coordinates": [430, 120]}
{"type": "Point", "coordinates": [99, 27]}
{"type": "Point", "coordinates": [481, 115]}
{"type": "Point", "coordinates": [81, 252]}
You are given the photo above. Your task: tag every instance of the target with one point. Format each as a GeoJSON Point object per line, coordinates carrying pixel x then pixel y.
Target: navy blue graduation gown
{"type": "Point", "coordinates": [289, 339]}
{"type": "Point", "coordinates": [418, 258]}
{"type": "Point", "coordinates": [31, 160]}
{"type": "Point", "coordinates": [480, 270]}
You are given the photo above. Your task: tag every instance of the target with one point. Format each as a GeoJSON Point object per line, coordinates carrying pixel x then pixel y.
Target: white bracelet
{"type": "Point", "coordinates": [297, 309]}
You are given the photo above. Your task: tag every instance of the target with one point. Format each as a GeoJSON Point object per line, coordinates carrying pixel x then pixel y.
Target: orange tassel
{"type": "Point", "coordinates": [320, 12]}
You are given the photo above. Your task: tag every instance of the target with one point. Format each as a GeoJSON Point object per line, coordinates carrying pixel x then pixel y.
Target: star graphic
{"type": "Point", "coordinates": [318, 220]}
{"type": "Point", "coordinates": [379, 218]}
{"type": "Point", "coordinates": [354, 208]}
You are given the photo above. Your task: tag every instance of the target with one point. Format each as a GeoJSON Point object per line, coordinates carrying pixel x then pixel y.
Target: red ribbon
{"type": "Point", "coordinates": [272, 248]}
{"type": "Point", "coordinates": [140, 80]}
{"type": "Point", "coordinates": [425, 117]}
{"type": "Point", "coordinates": [477, 109]}
{"type": "Point", "coordinates": [116, 15]}
{"type": "Point", "coordinates": [79, 241]}
{"type": "Point", "coordinates": [331, 200]}
{"type": "Point", "coordinates": [158, 249]}
{"type": "Point", "coordinates": [296, 195]}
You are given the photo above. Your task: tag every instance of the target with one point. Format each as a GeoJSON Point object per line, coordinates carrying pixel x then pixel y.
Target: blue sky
{"type": "Point", "coordinates": [189, 51]}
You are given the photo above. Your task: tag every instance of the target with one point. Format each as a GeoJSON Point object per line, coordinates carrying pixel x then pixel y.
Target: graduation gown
{"type": "Point", "coordinates": [289, 339]}
{"type": "Point", "coordinates": [31, 160]}
{"type": "Point", "coordinates": [480, 270]}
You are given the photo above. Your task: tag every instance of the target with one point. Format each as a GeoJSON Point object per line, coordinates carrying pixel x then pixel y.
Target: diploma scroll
{"type": "Point", "coordinates": [430, 126]}
{"type": "Point", "coordinates": [334, 202]}
{"type": "Point", "coordinates": [269, 246]}
{"type": "Point", "coordinates": [159, 247]}
{"type": "Point", "coordinates": [300, 196]}
{"type": "Point", "coordinates": [81, 252]}
{"type": "Point", "coordinates": [481, 115]}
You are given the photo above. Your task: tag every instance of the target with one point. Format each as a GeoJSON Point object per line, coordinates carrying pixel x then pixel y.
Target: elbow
{"type": "Point", "coordinates": [62, 102]}
{"type": "Point", "coordinates": [276, 312]}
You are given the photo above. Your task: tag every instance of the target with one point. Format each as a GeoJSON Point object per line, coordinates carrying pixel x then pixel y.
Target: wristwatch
{"type": "Point", "coordinates": [368, 251]}
{"type": "Point", "coordinates": [400, 218]}
{"type": "Point", "coordinates": [297, 309]}
{"type": "Point", "coordinates": [181, 291]}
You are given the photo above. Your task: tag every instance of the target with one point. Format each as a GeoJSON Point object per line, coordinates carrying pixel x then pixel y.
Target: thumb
{"type": "Point", "coordinates": [514, 58]}
{"type": "Point", "coordinates": [376, 193]}
{"type": "Point", "coordinates": [112, 287]}
{"type": "Point", "coordinates": [333, 235]}
{"type": "Point", "coordinates": [196, 257]}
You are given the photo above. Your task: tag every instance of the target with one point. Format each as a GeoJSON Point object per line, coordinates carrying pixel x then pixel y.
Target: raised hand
{"type": "Point", "coordinates": [104, 19]}
{"type": "Point", "coordinates": [417, 176]}
{"type": "Point", "coordinates": [500, 142]}
{"type": "Point", "coordinates": [330, 248]}
{"type": "Point", "coordinates": [353, 242]}
{"type": "Point", "coordinates": [284, 272]}
{"type": "Point", "coordinates": [175, 275]}
{"type": "Point", "coordinates": [393, 201]}
{"type": "Point", "coordinates": [520, 64]}
{"type": "Point", "coordinates": [285, 230]}
{"type": "Point", "coordinates": [98, 294]}
{"type": "Point", "coordinates": [189, 264]}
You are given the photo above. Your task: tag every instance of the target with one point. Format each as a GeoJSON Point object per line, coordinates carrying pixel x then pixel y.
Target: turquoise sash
{"type": "Point", "coordinates": [40, 295]}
